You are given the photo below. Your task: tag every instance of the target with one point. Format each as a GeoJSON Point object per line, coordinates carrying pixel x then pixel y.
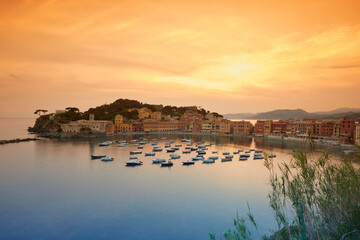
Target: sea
{"type": "Point", "coordinates": [52, 189]}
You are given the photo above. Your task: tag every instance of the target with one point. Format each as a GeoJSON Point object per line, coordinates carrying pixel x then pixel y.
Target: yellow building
{"type": "Point", "coordinates": [357, 133]}
{"type": "Point", "coordinates": [225, 126]}
{"type": "Point", "coordinates": [156, 116]}
{"type": "Point", "coordinates": [206, 126]}
{"type": "Point", "coordinates": [144, 113]}
{"type": "Point", "coordinates": [124, 127]}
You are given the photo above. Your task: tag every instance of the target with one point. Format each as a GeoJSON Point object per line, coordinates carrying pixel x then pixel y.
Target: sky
{"type": "Point", "coordinates": [225, 56]}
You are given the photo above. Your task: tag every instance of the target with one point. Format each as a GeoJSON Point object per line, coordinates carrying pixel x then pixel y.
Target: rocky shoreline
{"type": "Point", "coordinates": [18, 140]}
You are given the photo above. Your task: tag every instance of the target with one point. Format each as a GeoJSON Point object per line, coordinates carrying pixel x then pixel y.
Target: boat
{"type": "Point", "coordinates": [97, 156]}
{"type": "Point", "coordinates": [133, 158]}
{"type": "Point", "coordinates": [213, 152]}
{"type": "Point", "coordinates": [258, 157]}
{"type": "Point", "coordinates": [243, 158]}
{"type": "Point", "coordinates": [157, 149]}
{"type": "Point", "coordinates": [226, 159]}
{"type": "Point", "coordinates": [133, 163]}
{"type": "Point", "coordinates": [142, 143]}
{"type": "Point", "coordinates": [154, 143]}
{"type": "Point", "coordinates": [167, 164]}
{"type": "Point", "coordinates": [236, 152]}
{"type": "Point", "coordinates": [167, 146]}
{"type": "Point", "coordinates": [226, 153]}
{"type": "Point", "coordinates": [134, 140]}
{"type": "Point", "coordinates": [186, 151]}
{"type": "Point", "coordinates": [272, 156]}
{"type": "Point", "coordinates": [174, 156]}
{"type": "Point", "coordinates": [178, 145]}
{"type": "Point", "coordinates": [193, 149]}
{"type": "Point", "coordinates": [107, 143]}
{"type": "Point", "coordinates": [106, 159]}
{"type": "Point", "coordinates": [175, 148]}
{"type": "Point", "coordinates": [245, 155]}
{"type": "Point", "coordinates": [170, 150]}
{"type": "Point", "coordinates": [122, 145]}
{"type": "Point", "coordinates": [135, 152]}
{"type": "Point", "coordinates": [164, 138]}
{"type": "Point", "coordinates": [158, 160]}
{"type": "Point", "coordinates": [247, 151]}
{"type": "Point", "coordinates": [208, 161]}
{"type": "Point", "coordinates": [240, 150]}
{"type": "Point", "coordinates": [258, 151]}
{"type": "Point", "coordinates": [252, 149]}
{"type": "Point", "coordinates": [201, 152]}
{"type": "Point", "coordinates": [149, 154]}
{"type": "Point", "coordinates": [197, 158]}
{"type": "Point", "coordinates": [229, 156]}
{"type": "Point", "coordinates": [214, 157]}
{"type": "Point", "coordinates": [184, 140]}
{"type": "Point", "coordinates": [140, 147]}
{"type": "Point", "coordinates": [188, 162]}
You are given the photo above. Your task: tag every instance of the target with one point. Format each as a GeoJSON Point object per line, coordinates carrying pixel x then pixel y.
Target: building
{"type": "Point", "coordinates": [357, 133]}
{"type": "Point", "coordinates": [124, 127]}
{"type": "Point", "coordinates": [347, 132]}
{"type": "Point", "coordinates": [156, 116]}
{"type": "Point", "coordinates": [259, 127]}
{"type": "Point", "coordinates": [98, 126]}
{"type": "Point", "coordinates": [137, 127]}
{"type": "Point", "coordinates": [278, 128]}
{"type": "Point", "coordinates": [144, 113]}
{"type": "Point", "coordinates": [118, 120]}
{"type": "Point", "coordinates": [206, 126]}
{"type": "Point", "coordinates": [242, 127]}
{"type": "Point", "coordinates": [225, 126]}
{"type": "Point", "coordinates": [110, 128]}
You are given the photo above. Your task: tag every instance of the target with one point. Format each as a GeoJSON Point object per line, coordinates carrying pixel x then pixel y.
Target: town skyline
{"type": "Point", "coordinates": [225, 56]}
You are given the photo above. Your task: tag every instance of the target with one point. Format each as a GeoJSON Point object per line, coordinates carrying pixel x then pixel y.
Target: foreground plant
{"type": "Point", "coordinates": [312, 199]}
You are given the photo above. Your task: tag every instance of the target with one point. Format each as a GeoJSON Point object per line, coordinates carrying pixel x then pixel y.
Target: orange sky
{"type": "Point", "coordinates": [226, 56]}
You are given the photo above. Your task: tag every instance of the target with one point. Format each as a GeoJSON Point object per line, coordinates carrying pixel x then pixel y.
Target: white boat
{"type": "Point", "coordinates": [245, 155]}
{"type": "Point", "coordinates": [226, 153]}
{"type": "Point", "coordinates": [178, 145]}
{"type": "Point", "coordinates": [175, 148]}
{"type": "Point", "coordinates": [184, 140]}
{"type": "Point", "coordinates": [214, 157]}
{"type": "Point", "coordinates": [107, 159]}
{"type": "Point", "coordinates": [186, 152]}
{"type": "Point", "coordinates": [243, 158]}
{"type": "Point", "coordinates": [258, 151]}
{"type": "Point", "coordinates": [107, 143]}
{"type": "Point", "coordinates": [164, 138]}
{"type": "Point", "coordinates": [229, 156]}
{"type": "Point", "coordinates": [149, 154]}
{"type": "Point", "coordinates": [213, 152]}
{"type": "Point", "coordinates": [237, 152]}
{"type": "Point", "coordinates": [174, 156]}
{"type": "Point", "coordinates": [167, 164]}
{"type": "Point", "coordinates": [154, 143]}
{"type": "Point", "coordinates": [135, 152]}
{"type": "Point", "coordinates": [208, 161]}
{"type": "Point", "coordinates": [133, 158]}
{"type": "Point", "coordinates": [188, 162]}
{"type": "Point", "coordinates": [258, 156]}
{"type": "Point", "coordinates": [158, 160]}
{"type": "Point", "coordinates": [226, 159]}
{"type": "Point", "coordinates": [157, 149]}
{"type": "Point", "coordinates": [197, 158]}
{"type": "Point", "coordinates": [170, 150]}
{"type": "Point", "coordinates": [133, 163]}
{"type": "Point", "coordinates": [167, 146]}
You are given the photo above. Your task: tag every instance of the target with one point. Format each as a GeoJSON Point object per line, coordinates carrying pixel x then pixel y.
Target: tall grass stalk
{"type": "Point", "coordinates": [312, 198]}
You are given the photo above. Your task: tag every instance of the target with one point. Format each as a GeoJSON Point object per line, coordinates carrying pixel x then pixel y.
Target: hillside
{"type": "Point", "coordinates": [295, 114]}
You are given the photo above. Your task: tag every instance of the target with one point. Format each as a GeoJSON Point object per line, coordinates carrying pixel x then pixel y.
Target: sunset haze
{"type": "Point", "coordinates": [226, 56]}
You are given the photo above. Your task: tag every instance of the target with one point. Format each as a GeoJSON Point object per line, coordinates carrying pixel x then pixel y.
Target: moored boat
{"type": "Point", "coordinates": [208, 161]}
{"type": "Point", "coordinates": [107, 159]}
{"type": "Point", "coordinates": [167, 164]}
{"type": "Point", "coordinates": [97, 156]}
{"type": "Point", "coordinates": [135, 152]}
{"type": "Point", "coordinates": [149, 154]}
{"type": "Point", "coordinates": [158, 160]}
{"type": "Point", "coordinates": [133, 163]}
{"type": "Point", "coordinates": [188, 162]}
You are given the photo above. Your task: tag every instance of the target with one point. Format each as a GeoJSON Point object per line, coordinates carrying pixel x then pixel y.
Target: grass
{"type": "Point", "coordinates": [312, 198]}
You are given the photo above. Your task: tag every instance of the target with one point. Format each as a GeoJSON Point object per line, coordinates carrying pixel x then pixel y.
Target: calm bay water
{"type": "Point", "coordinates": [51, 189]}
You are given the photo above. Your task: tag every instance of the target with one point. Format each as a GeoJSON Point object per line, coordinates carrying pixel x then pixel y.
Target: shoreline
{"type": "Point", "coordinates": [178, 133]}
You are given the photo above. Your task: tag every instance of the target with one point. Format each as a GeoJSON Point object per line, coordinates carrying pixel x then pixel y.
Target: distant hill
{"type": "Point", "coordinates": [298, 114]}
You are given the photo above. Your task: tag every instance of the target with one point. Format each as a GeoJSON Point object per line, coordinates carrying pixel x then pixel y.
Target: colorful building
{"type": "Point", "coordinates": [144, 113]}
{"type": "Point", "coordinates": [156, 116]}
{"type": "Point", "coordinates": [242, 127]}
{"type": "Point", "coordinates": [347, 133]}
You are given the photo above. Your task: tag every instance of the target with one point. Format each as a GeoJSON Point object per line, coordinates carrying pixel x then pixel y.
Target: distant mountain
{"type": "Point", "coordinates": [340, 110]}
{"type": "Point", "coordinates": [298, 114]}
